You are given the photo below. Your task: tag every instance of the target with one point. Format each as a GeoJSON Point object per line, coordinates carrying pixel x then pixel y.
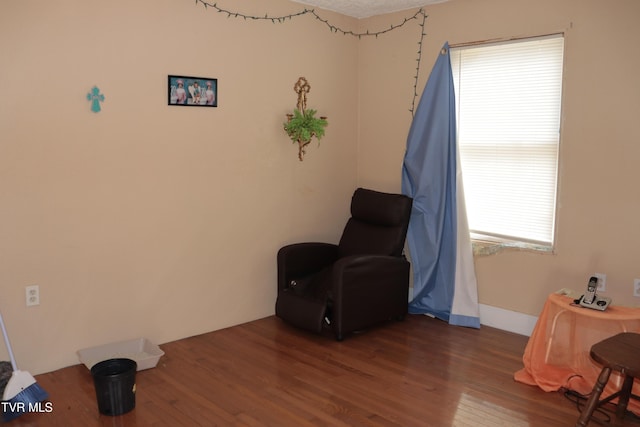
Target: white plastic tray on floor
{"type": "Point", "coordinates": [145, 353]}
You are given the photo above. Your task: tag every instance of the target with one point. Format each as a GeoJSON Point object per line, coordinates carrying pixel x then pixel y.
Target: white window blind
{"type": "Point", "coordinates": [508, 97]}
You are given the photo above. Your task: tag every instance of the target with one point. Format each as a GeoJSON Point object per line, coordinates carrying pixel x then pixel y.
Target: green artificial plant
{"type": "Point", "coordinates": [302, 126]}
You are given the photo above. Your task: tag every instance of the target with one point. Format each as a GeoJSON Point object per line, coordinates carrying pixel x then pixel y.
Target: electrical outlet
{"type": "Point", "coordinates": [636, 287]}
{"type": "Point", "coordinates": [602, 282]}
{"type": "Point", "coordinates": [33, 295]}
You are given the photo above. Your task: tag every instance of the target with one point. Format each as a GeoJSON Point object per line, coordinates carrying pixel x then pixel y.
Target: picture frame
{"type": "Point", "coordinates": [189, 91]}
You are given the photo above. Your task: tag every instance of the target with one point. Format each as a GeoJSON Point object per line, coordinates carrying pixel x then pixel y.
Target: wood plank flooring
{"type": "Point", "coordinates": [419, 372]}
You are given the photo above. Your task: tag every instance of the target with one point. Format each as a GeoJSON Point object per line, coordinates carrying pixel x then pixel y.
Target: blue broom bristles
{"type": "Point", "coordinates": [28, 400]}
{"type": "Point", "coordinates": [21, 394]}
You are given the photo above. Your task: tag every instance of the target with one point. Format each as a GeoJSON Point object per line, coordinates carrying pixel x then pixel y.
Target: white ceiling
{"type": "Point", "coordinates": [367, 8]}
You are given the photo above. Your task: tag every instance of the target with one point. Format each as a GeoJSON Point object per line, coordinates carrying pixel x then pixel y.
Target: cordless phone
{"type": "Point", "coordinates": [591, 300]}
{"type": "Point", "coordinates": [591, 291]}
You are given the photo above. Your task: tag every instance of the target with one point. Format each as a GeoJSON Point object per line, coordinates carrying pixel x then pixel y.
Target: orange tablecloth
{"type": "Point", "coordinates": [557, 354]}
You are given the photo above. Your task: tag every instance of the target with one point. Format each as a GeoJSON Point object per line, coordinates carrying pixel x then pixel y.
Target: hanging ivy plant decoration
{"type": "Point", "coordinates": [303, 125]}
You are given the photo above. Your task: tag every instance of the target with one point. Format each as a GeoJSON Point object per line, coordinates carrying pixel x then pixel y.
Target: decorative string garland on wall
{"type": "Point", "coordinates": [419, 16]}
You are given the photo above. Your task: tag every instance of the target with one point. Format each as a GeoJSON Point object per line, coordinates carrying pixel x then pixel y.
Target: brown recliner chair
{"type": "Point", "coordinates": [359, 282]}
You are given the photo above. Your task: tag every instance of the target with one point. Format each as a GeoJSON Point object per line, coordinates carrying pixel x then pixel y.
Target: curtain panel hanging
{"type": "Point", "coordinates": [445, 283]}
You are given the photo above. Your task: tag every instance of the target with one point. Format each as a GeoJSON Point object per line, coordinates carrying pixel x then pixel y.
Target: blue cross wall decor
{"type": "Point", "coordinates": [96, 98]}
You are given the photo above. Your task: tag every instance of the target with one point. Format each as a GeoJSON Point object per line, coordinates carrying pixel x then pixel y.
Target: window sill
{"type": "Point", "coordinates": [485, 247]}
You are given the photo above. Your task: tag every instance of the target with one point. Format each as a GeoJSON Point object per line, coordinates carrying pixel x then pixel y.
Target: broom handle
{"type": "Point", "coordinates": [6, 341]}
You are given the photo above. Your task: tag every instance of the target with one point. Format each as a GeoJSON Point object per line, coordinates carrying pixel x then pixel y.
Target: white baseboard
{"type": "Point", "coordinates": [507, 320]}
{"type": "Point", "coordinates": [500, 318]}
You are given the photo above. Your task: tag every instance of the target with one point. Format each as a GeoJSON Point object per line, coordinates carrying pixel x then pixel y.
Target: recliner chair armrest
{"type": "Point", "coordinates": [371, 268]}
{"type": "Point", "coordinates": [373, 273]}
{"type": "Point", "coordinates": [366, 289]}
{"type": "Point", "coordinates": [301, 259]}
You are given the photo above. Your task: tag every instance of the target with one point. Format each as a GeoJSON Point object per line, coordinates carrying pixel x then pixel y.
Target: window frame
{"type": "Point", "coordinates": [487, 243]}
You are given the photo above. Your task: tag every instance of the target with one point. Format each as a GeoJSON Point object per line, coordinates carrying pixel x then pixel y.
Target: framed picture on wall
{"type": "Point", "coordinates": [187, 91]}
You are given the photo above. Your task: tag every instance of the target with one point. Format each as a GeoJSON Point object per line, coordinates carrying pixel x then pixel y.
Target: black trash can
{"type": "Point", "coordinates": [115, 383]}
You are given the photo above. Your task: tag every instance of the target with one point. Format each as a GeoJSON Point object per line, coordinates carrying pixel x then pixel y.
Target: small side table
{"type": "Point", "coordinates": [619, 353]}
{"type": "Point", "coordinates": [557, 353]}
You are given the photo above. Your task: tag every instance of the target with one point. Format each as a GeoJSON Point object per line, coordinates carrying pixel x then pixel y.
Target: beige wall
{"type": "Point", "coordinates": [150, 220]}
{"type": "Point", "coordinates": [598, 226]}
{"type": "Point", "coordinates": [163, 222]}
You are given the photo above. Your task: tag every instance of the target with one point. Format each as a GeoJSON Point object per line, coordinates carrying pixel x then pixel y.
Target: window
{"type": "Point", "coordinates": [508, 97]}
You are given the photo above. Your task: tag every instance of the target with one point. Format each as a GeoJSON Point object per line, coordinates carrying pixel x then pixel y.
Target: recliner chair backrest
{"type": "Point", "coordinates": [378, 224]}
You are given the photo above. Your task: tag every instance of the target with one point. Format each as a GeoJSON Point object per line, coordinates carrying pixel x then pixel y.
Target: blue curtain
{"type": "Point", "coordinates": [444, 280]}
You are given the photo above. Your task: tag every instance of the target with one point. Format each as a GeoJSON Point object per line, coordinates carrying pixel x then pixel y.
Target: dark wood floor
{"type": "Point", "coordinates": [420, 372]}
